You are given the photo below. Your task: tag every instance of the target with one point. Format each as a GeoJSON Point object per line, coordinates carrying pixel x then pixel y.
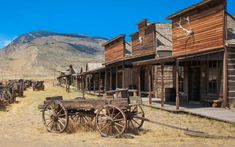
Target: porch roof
{"type": "Point", "coordinates": [93, 71]}
{"type": "Point", "coordinates": [170, 60]}
{"type": "Point", "coordinates": [128, 58]}
{"type": "Point", "coordinates": [166, 60]}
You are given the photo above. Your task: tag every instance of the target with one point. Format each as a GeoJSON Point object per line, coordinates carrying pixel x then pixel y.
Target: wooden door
{"type": "Point", "coordinates": [194, 84]}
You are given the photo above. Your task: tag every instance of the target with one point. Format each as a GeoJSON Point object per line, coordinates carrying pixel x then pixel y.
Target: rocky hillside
{"type": "Point", "coordinates": [40, 53]}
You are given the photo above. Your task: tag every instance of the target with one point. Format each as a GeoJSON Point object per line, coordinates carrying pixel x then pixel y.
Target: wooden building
{"type": "Point", "coordinates": [153, 40]}
{"type": "Point", "coordinates": [203, 54]}
{"type": "Point", "coordinates": [92, 79]}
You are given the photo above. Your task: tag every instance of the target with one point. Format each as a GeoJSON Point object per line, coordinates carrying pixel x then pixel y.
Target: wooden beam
{"type": "Point", "coordinates": [99, 82]}
{"type": "Point", "coordinates": [139, 80]}
{"type": "Point", "coordinates": [94, 83]}
{"type": "Point", "coordinates": [117, 77]}
{"type": "Point", "coordinates": [111, 79]}
{"type": "Point", "coordinates": [105, 80]}
{"type": "Point", "coordinates": [162, 81]}
{"type": "Point", "coordinates": [123, 77]}
{"type": "Point", "coordinates": [150, 86]}
{"type": "Point", "coordinates": [225, 75]}
{"type": "Point", "coordinates": [83, 86]}
{"type": "Point", "coordinates": [177, 85]}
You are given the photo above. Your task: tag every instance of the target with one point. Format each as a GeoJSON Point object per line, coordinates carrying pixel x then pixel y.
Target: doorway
{"type": "Point", "coordinates": [194, 84]}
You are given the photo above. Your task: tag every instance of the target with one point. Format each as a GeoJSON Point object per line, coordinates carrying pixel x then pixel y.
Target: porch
{"type": "Point", "coordinates": [200, 78]}
{"type": "Point", "coordinates": [220, 114]}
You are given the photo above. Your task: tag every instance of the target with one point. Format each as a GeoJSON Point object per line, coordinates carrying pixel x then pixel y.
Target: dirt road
{"type": "Point", "coordinates": [21, 126]}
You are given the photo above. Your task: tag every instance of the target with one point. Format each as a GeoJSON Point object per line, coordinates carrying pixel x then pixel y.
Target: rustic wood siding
{"type": "Point", "coordinates": [115, 50]}
{"type": "Point", "coordinates": [208, 28]}
{"type": "Point", "coordinates": [128, 77]}
{"type": "Point", "coordinates": [167, 79]}
{"type": "Point", "coordinates": [148, 45]}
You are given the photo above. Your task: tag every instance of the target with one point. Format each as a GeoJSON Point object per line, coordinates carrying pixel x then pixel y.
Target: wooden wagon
{"type": "Point", "coordinates": [112, 116]}
{"type": "Point", "coordinates": [38, 85]}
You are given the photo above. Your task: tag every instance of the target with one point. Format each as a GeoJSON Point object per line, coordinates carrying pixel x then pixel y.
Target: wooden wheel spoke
{"type": "Point", "coordinates": [61, 115]}
{"type": "Point", "coordinates": [84, 117]}
{"type": "Point", "coordinates": [118, 120]}
{"type": "Point", "coordinates": [59, 111]}
{"type": "Point", "coordinates": [49, 123]}
{"type": "Point", "coordinates": [133, 126]}
{"type": "Point", "coordinates": [52, 126]}
{"type": "Point", "coordinates": [116, 128]}
{"type": "Point", "coordinates": [134, 109]}
{"type": "Point", "coordinates": [60, 122]}
{"type": "Point", "coordinates": [116, 115]}
{"type": "Point", "coordinates": [119, 124]}
{"type": "Point", "coordinates": [105, 126]}
{"type": "Point", "coordinates": [59, 126]}
{"type": "Point", "coordinates": [112, 112]}
{"type": "Point", "coordinates": [48, 119]}
{"type": "Point", "coordinates": [136, 122]}
{"type": "Point", "coordinates": [102, 122]}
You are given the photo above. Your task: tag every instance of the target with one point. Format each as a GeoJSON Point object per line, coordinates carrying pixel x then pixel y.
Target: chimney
{"type": "Point", "coordinates": [141, 26]}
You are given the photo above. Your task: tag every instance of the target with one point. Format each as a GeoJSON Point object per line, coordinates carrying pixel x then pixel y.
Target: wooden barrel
{"type": "Point", "coordinates": [170, 94]}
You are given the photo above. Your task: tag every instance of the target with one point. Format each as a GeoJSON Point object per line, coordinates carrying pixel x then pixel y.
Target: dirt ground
{"type": "Point", "coordinates": [21, 125]}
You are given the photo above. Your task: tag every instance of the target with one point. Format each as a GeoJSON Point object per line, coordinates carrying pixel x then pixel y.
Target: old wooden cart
{"type": "Point", "coordinates": [112, 115]}
{"type": "Point", "coordinates": [38, 85]}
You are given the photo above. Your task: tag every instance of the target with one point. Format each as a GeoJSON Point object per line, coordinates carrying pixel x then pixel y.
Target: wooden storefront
{"type": "Point", "coordinates": [153, 40]}
{"type": "Point", "coordinates": [199, 43]}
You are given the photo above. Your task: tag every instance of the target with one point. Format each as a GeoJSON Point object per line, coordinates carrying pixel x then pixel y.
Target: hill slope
{"type": "Point", "coordinates": [39, 53]}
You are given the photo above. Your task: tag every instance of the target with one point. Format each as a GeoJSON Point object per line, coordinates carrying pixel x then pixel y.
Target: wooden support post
{"type": "Point", "coordinates": [94, 82]}
{"type": "Point", "coordinates": [99, 83]}
{"type": "Point", "coordinates": [225, 76]}
{"type": "Point", "coordinates": [105, 80]}
{"type": "Point", "coordinates": [150, 85]}
{"type": "Point", "coordinates": [111, 79]}
{"type": "Point", "coordinates": [139, 81]}
{"type": "Point", "coordinates": [123, 77]}
{"type": "Point", "coordinates": [177, 84]}
{"type": "Point", "coordinates": [83, 87]}
{"type": "Point", "coordinates": [162, 81]}
{"type": "Point", "coordinates": [116, 78]}
{"type": "Point", "coordinates": [86, 83]}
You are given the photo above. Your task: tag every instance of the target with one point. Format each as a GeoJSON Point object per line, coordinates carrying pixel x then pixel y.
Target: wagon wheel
{"type": "Point", "coordinates": [133, 117]}
{"type": "Point", "coordinates": [110, 121]}
{"type": "Point", "coordinates": [82, 119]}
{"type": "Point", "coordinates": [55, 117]}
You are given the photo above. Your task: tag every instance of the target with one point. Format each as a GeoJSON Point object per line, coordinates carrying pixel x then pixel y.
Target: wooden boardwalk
{"type": "Point", "coordinates": [220, 114]}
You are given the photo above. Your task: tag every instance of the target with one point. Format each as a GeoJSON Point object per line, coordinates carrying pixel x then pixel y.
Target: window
{"type": "Point", "coordinates": [181, 78]}
{"type": "Point", "coordinates": [212, 77]}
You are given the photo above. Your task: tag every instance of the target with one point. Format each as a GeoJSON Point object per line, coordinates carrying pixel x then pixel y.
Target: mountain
{"type": "Point", "coordinates": [40, 53]}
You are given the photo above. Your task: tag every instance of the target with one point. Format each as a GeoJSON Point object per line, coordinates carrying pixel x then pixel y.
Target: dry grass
{"type": "Point", "coordinates": [22, 126]}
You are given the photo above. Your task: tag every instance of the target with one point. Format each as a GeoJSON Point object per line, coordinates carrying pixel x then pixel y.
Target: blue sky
{"type": "Point", "coordinates": [104, 18]}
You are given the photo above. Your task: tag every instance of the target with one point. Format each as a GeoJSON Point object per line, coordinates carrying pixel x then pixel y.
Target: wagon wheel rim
{"type": "Point", "coordinates": [110, 121]}
{"type": "Point", "coordinates": [133, 120]}
{"type": "Point", "coordinates": [55, 117]}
